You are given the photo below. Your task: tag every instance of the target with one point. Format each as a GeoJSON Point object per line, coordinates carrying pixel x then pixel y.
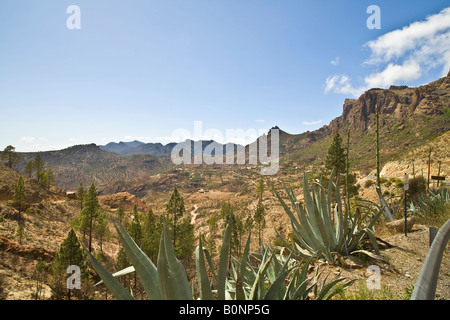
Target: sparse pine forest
{"type": "Point", "coordinates": [139, 227]}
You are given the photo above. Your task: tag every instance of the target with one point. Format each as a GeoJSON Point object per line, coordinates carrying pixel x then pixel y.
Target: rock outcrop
{"type": "Point", "coordinates": [397, 102]}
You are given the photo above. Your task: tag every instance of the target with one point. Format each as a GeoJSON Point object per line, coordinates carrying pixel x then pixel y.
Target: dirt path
{"type": "Point", "coordinates": [406, 255]}
{"type": "Point", "coordinates": [194, 214]}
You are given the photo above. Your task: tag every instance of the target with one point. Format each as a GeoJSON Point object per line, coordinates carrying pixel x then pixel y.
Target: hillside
{"type": "Point", "coordinates": [88, 164]}
{"type": "Point", "coordinates": [409, 127]}
{"type": "Point", "coordinates": [408, 118]}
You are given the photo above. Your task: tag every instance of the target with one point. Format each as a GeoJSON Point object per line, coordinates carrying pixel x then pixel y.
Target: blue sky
{"type": "Point", "coordinates": [144, 69]}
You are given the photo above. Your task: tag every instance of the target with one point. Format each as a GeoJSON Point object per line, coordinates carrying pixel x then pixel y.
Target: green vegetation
{"type": "Point", "coordinates": [20, 233]}
{"type": "Point", "coordinates": [182, 231]}
{"type": "Point", "coordinates": [168, 279]}
{"type": "Point", "coordinates": [10, 156]}
{"type": "Point", "coordinates": [360, 291]}
{"type": "Point", "coordinates": [321, 232]}
{"type": "Point", "coordinates": [19, 196]}
{"type": "Point", "coordinates": [175, 209]}
{"type": "Point", "coordinates": [70, 253]}
{"type": "Point", "coordinates": [336, 157]}
{"type": "Point", "coordinates": [432, 208]}
{"type": "Point", "coordinates": [91, 220]}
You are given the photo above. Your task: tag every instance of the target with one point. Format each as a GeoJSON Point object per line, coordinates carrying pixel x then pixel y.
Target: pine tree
{"type": "Point", "coordinates": [70, 253]}
{"type": "Point", "coordinates": [336, 157]}
{"type": "Point", "coordinates": [102, 229]}
{"type": "Point", "coordinates": [43, 180]}
{"type": "Point", "coordinates": [38, 275]}
{"type": "Point", "coordinates": [227, 212]}
{"type": "Point", "coordinates": [38, 166]}
{"type": "Point", "coordinates": [80, 195]}
{"type": "Point", "coordinates": [151, 234]}
{"type": "Point", "coordinates": [19, 196]}
{"type": "Point", "coordinates": [10, 156]}
{"type": "Point", "coordinates": [134, 229]}
{"type": "Point", "coordinates": [259, 216]}
{"type": "Point", "coordinates": [175, 209]}
{"type": "Point", "coordinates": [186, 239]}
{"type": "Point", "coordinates": [120, 211]}
{"type": "Point", "coordinates": [122, 263]}
{"type": "Point", "coordinates": [20, 233]}
{"type": "Point", "coordinates": [29, 168]}
{"type": "Point", "coordinates": [90, 212]}
{"type": "Point", "coordinates": [50, 177]}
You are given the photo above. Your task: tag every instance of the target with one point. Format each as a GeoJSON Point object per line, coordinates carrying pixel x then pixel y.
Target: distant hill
{"type": "Point", "coordinates": [121, 147]}
{"type": "Point", "coordinates": [89, 164]}
{"type": "Point", "coordinates": [408, 119]}
{"type": "Point", "coordinates": [156, 149]}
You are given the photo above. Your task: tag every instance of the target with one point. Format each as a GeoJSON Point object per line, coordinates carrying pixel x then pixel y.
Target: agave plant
{"type": "Point", "coordinates": [168, 280]}
{"type": "Point", "coordinates": [323, 232]}
{"type": "Point", "coordinates": [432, 205]}
{"type": "Point", "coordinates": [279, 278]}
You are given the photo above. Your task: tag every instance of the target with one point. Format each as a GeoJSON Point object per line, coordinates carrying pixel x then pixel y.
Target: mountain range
{"type": "Point", "coordinates": [408, 118]}
{"type": "Point", "coordinates": [158, 149]}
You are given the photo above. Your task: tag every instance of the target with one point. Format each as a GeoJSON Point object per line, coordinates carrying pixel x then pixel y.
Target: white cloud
{"type": "Point", "coordinates": [418, 34]}
{"type": "Point", "coordinates": [341, 84]}
{"type": "Point", "coordinates": [335, 62]}
{"type": "Point", "coordinates": [162, 139]}
{"type": "Point", "coordinates": [394, 73]}
{"type": "Point", "coordinates": [28, 139]}
{"type": "Point", "coordinates": [259, 120]}
{"type": "Point", "coordinates": [402, 55]}
{"type": "Point", "coordinates": [312, 123]}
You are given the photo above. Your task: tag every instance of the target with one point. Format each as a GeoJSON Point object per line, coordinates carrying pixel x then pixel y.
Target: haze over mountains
{"type": "Point", "coordinates": [157, 149]}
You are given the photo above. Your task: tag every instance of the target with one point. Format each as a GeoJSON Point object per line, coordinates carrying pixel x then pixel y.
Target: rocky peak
{"type": "Point", "coordinates": [397, 102]}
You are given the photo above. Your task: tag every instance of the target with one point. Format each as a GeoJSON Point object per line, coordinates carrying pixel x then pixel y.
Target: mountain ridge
{"type": "Point", "coordinates": [408, 118]}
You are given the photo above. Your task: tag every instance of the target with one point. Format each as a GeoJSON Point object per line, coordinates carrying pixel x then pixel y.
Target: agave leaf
{"type": "Point", "coordinates": [341, 226]}
{"type": "Point", "coordinates": [309, 234]}
{"type": "Point", "coordinates": [111, 283]}
{"type": "Point", "coordinates": [145, 268]}
{"type": "Point", "coordinates": [210, 263]}
{"type": "Point", "coordinates": [325, 233]}
{"type": "Point", "coordinates": [276, 290]}
{"type": "Point", "coordinates": [373, 240]}
{"type": "Point", "coordinates": [387, 213]}
{"type": "Point", "coordinates": [223, 263]}
{"type": "Point", "coordinates": [311, 216]}
{"type": "Point", "coordinates": [202, 276]}
{"type": "Point", "coordinates": [243, 272]}
{"type": "Point", "coordinates": [326, 217]}
{"type": "Point", "coordinates": [300, 232]}
{"type": "Point", "coordinates": [296, 227]}
{"type": "Point", "coordinates": [288, 210]}
{"type": "Point", "coordinates": [118, 274]}
{"type": "Point", "coordinates": [183, 291]}
{"type": "Point", "coordinates": [258, 286]}
{"type": "Point", "coordinates": [166, 281]}
{"type": "Point", "coordinates": [328, 290]}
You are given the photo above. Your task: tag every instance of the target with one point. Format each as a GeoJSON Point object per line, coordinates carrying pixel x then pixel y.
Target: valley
{"type": "Point", "coordinates": [414, 126]}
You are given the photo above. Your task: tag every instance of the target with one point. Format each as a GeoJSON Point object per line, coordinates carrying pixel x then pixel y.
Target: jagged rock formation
{"type": "Point", "coordinates": [397, 102]}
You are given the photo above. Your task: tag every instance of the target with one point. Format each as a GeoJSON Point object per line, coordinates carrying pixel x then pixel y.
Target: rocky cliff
{"type": "Point", "coordinates": [397, 102]}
